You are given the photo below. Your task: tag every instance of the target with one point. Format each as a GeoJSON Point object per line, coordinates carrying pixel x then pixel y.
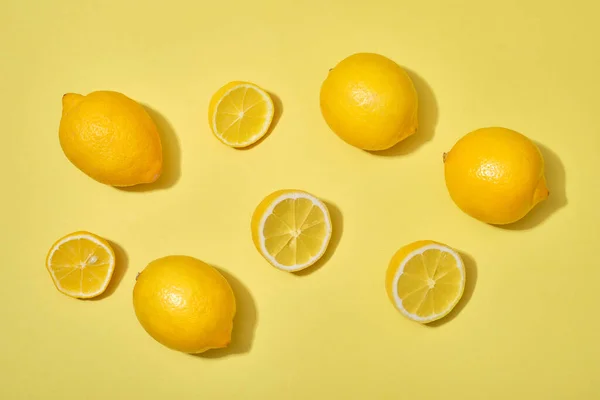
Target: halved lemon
{"type": "Point", "coordinates": [291, 229]}
{"type": "Point", "coordinates": [425, 280]}
{"type": "Point", "coordinates": [240, 113]}
{"type": "Point", "coordinates": [81, 264]}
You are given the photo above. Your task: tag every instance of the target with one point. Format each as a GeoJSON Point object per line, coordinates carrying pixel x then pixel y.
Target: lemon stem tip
{"type": "Point", "coordinates": [70, 100]}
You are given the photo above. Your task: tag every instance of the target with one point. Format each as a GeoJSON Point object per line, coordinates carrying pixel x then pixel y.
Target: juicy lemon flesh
{"type": "Point", "coordinates": [430, 283]}
{"type": "Point", "coordinates": [243, 116]}
{"type": "Point", "coordinates": [295, 231]}
{"type": "Point", "coordinates": [81, 267]}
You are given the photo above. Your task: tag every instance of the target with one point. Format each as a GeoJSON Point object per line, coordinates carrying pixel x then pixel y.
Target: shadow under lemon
{"type": "Point", "coordinates": [470, 283]}
{"type": "Point", "coordinates": [337, 226]}
{"type": "Point", "coordinates": [427, 117]}
{"type": "Point", "coordinates": [244, 322]}
{"type": "Point", "coordinates": [557, 199]}
{"type": "Point", "coordinates": [121, 265]}
{"type": "Point", "coordinates": [171, 168]}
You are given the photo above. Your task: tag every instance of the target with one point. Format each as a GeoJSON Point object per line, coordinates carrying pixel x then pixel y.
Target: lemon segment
{"type": "Point", "coordinates": [240, 113]}
{"type": "Point", "coordinates": [425, 280]}
{"type": "Point", "coordinates": [81, 264]}
{"type": "Point", "coordinates": [291, 229]}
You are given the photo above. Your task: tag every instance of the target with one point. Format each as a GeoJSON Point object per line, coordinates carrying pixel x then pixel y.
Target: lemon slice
{"type": "Point", "coordinates": [81, 264]}
{"type": "Point", "coordinates": [425, 280]}
{"type": "Point", "coordinates": [240, 113]}
{"type": "Point", "coordinates": [291, 229]}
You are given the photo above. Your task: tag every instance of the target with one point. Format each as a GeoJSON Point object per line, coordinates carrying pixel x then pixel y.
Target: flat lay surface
{"type": "Point", "coordinates": [526, 326]}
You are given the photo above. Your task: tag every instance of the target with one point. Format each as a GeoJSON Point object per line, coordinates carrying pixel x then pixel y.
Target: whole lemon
{"type": "Point", "coordinates": [111, 138]}
{"type": "Point", "coordinates": [185, 304]}
{"type": "Point", "coordinates": [369, 101]}
{"type": "Point", "coordinates": [495, 175]}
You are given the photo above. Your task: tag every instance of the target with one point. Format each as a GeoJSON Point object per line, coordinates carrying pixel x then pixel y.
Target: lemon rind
{"type": "Point", "coordinates": [398, 301]}
{"type": "Point", "coordinates": [269, 211]}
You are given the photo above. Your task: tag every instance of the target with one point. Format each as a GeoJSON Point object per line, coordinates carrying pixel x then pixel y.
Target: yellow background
{"type": "Point", "coordinates": [527, 327]}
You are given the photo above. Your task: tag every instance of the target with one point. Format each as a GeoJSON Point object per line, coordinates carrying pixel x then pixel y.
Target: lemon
{"type": "Point", "coordinates": [369, 101]}
{"type": "Point", "coordinates": [495, 175]}
{"type": "Point", "coordinates": [111, 138]}
{"type": "Point", "coordinates": [81, 264]}
{"type": "Point", "coordinates": [291, 229]}
{"type": "Point", "coordinates": [240, 113]}
{"type": "Point", "coordinates": [184, 304]}
{"type": "Point", "coordinates": [425, 280]}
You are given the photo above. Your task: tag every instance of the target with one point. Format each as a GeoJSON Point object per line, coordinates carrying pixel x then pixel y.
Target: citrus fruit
{"type": "Point", "coordinates": [369, 101]}
{"type": "Point", "coordinates": [291, 229]}
{"type": "Point", "coordinates": [184, 304]}
{"type": "Point", "coordinates": [425, 280]}
{"type": "Point", "coordinates": [240, 113]}
{"type": "Point", "coordinates": [81, 264]}
{"type": "Point", "coordinates": [111, 138]}
{"type": "Point", "coordinates": [495, 175]}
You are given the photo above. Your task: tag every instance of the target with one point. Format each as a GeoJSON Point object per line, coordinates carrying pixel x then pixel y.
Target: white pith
{"type": "Point", "coordinates": [266, 124]}
{"type": "Point", "coordinates": [91, 239]}
{"type": "Point", "coordinates": [269, 211]}
{"type": "Point", "coordinates": [400, 271]}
